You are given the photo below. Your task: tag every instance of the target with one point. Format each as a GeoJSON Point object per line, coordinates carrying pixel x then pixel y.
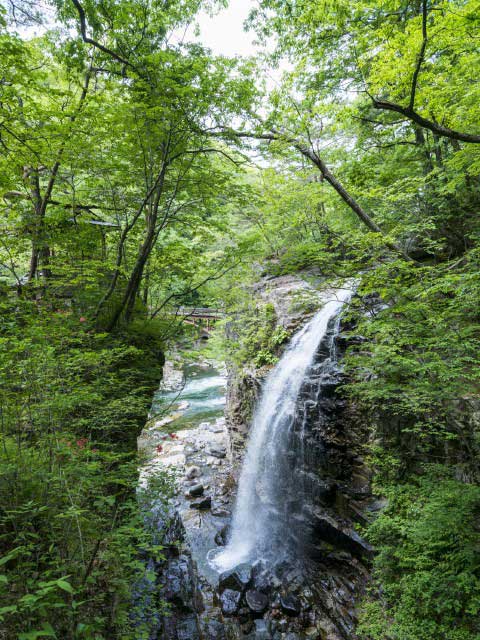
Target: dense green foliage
{"type": "Point", "coordinates": [129, 189]}
{"type": "Point", "coordinates": [428, 561]}
{"type": "Point", "coordinates": [72, 404]}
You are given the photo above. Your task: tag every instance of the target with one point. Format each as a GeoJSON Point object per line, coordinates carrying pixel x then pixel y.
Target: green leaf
{"type": "Point", "coordinates": [66, 586]}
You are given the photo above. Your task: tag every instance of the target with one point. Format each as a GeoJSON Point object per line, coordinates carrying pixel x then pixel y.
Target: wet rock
{"type": "Point", "coordinates": [221, 536]}
{"type": "Point", "coordinates": [203, 504]}
{"type": "Point", "coordinates": [290, 605]}
{"type": "Point", "coordinates": [193, 472]}
{"type": "Point", "coordinates": [263, 582]}
{"type": "Point", "coordinates": [262, 577]}
{"type": "Point", "coordinates": [196, 490]}
{"type": "Point", "coordinates": [257, 602]}
{"type": "Point", "coordinates": [261, 630]}
{"type": "Point", "coordinates": [237, 578]}
{"type": "Point", "coordinates": [294, 579]}
{"type": "Point", "coordinates": [220, 513]}
{"type": "Point", "coordinates": [230, 601]}
{"type": "Point", "coordinates": [214, 630]}
{"type": "Point", "coordinates": [179, 586]}
{"type": "Point", "coordinates": [187, 629]}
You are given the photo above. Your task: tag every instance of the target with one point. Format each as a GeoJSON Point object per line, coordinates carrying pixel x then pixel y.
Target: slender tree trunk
{"type": "Point", "coordinates": [38, 221]}
{"type": "Point", "coordinates": [127, 304]}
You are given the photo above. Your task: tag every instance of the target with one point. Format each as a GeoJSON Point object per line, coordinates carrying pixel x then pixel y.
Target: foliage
{"type": "Point", "coordinates": [427, 567]}
{"type": "Point", "coordinates": [72, 404]}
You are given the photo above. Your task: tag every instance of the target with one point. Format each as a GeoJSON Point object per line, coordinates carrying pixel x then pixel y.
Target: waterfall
{"type": "Point", "coordinates": [262, 517]}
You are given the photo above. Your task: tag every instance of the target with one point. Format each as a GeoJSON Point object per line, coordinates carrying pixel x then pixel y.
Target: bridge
{"type": "Point", "coordinates": [196, 316]}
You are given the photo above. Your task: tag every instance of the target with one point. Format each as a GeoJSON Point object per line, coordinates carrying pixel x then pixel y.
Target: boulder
{"type": "Point", "coordinates": [257, 601]}
{"type": "Point", "coordinates": [196, 490]}
{"type": "Point", "coordinates": [290, 605]}
{"type": "Point", "coordinates": [230, 601]}
{"type": "Point", "coordinates": [203, 504]}
{"type": "Point", "coordinates": [221, 536]}
{"type": "Point", "coordinates": [237, 578]}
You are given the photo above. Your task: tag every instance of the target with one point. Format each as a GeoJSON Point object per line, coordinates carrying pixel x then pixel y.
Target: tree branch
{"type": "Point", "coordinates": [421, 55]}
{"type": "Point", "coordinates": [411, 114]}
{"type": "Point", "coordinates": [95, 43]}
{"type": "Point", "coordinates": [328, 176]}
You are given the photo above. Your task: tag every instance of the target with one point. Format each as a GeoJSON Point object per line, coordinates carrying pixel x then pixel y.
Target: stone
{"type": "Point", "coordinates": [261, 630]}
{"type": "Point", "coordinates": [214, 630]}
{"type": "Point", "coordinates": [187, 629]}
{"type": "Point", "coordinates": [237, 578]}
{"type": "Point", "coordinates": [196, 490]}
{"type": "Point", "coordinates": [193, 472]}
{"type": "Point", "coordinates": [221, 536]}
{"type": "Point", "coordinates": [217, 451]}
{"type": "Point", "coordinates": [294, 579]}
{"type": "Point", "coordinates": [257, 602]}
{"type": "Point", "coordinates": [203, 504]}
{"type": "Point", "coordinates": [290, 605]}
{"type": "Point", "coordinates": [263, 582]}
{"type": "Point", "coordinates": [179, 588]}
{"type": "Point", "coordinates": [230, 601]}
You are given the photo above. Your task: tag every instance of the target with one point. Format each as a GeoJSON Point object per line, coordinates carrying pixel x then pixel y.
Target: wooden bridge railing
{"type": "Point", "coordinates": [205, 313]}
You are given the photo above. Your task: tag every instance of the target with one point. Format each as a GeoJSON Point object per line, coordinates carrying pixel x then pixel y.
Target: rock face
{"type": "Point", "coordinates": [171, 580]}
{"type": "Point", "coordinates": [327, 489]}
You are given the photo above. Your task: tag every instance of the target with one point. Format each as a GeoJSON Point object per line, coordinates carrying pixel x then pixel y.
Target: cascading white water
{"type": "Point", "coordinates": [255, 524]}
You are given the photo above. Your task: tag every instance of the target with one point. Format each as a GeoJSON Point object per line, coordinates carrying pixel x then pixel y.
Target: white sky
{"type": "Point", "coordinates": [224, 33]}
